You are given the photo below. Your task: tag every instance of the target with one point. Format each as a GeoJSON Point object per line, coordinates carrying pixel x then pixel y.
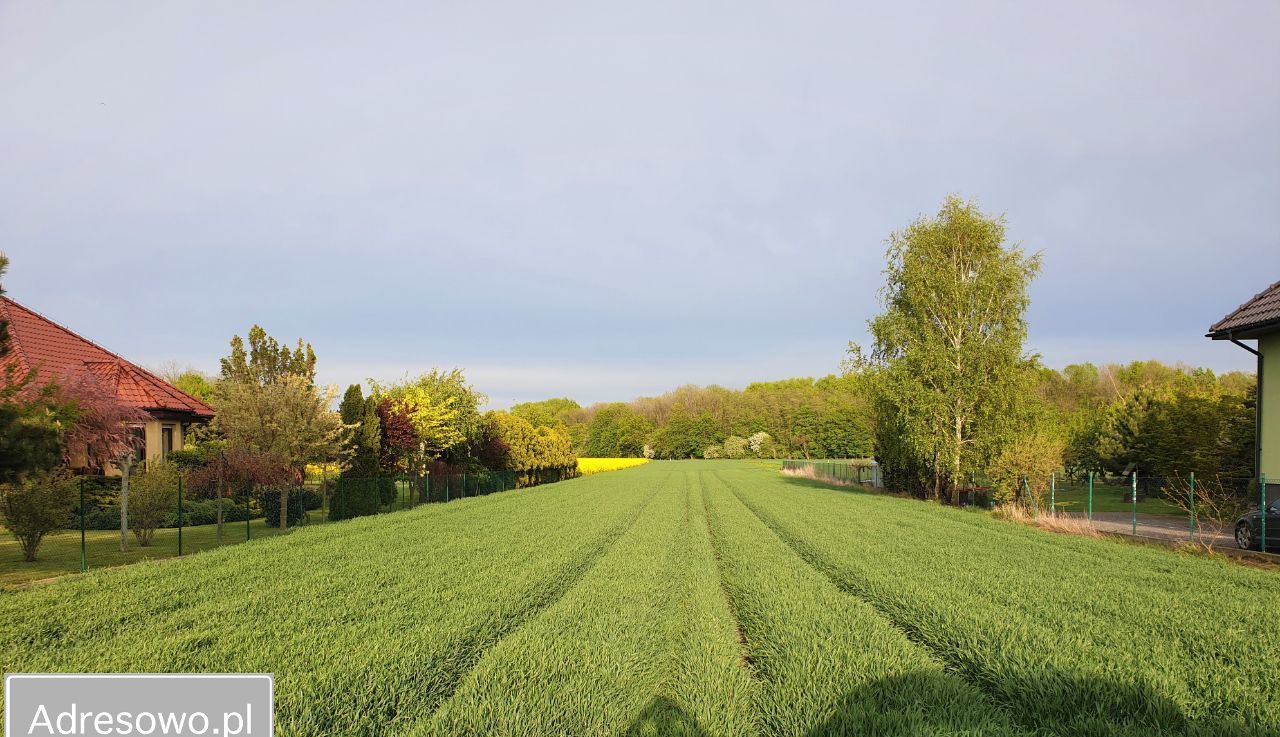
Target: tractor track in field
{"type": "Point", "coordinates": [471, 650]}
{"type": "Point", "coordinates": [746, 660]}
{"type": "Point", "coordinates": [815, 560]}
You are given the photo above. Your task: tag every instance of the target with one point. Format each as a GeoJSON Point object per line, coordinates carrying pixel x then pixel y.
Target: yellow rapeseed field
{"type": "Point", "coordinates": [589, 466]}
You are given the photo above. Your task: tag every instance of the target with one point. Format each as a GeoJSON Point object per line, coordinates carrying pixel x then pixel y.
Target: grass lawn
{"type": "Point", "coordinates": [688, 598]}
{"type": "Point", "coordinates": [60, 553]}
{"type": "Point", "coordinates": [1074, 497]}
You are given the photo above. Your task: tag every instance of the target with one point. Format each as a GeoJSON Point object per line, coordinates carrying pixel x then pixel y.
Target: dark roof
{"type": "Point", "coordinates": [40, 344]}
{"type": "Point", "coordinates": [1259, 315]}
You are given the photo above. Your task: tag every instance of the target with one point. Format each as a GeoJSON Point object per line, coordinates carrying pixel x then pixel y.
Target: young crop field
{"type": "Point", "coordinates": [688, 598]}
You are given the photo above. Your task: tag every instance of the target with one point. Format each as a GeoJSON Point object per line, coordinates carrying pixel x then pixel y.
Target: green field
{"type": "Point", "coordinates": [688, 598]}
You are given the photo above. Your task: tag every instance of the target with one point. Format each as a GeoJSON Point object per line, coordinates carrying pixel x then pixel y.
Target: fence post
{"type": "Point", "coordinates": [1134, 494]}
{"type": "Point", "coordinates": [464, 486]}
{"type": "Point", "coordinates": [248, 497]}
{"type": "Point", "coordinates": [1193, 504]}
{"type": "Point", "coordinates": [179, 516]}
{"type": "Point", "coordinates": [84, 559]}
{"type": "Point", "coordinates": [1053, 485]}
{"type": "Point", "coordinates": [1262, 510]}
{"type": "Point", "coordinates": [1091, 496]}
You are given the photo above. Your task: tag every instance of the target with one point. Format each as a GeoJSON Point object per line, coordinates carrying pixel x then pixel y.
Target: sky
{"type": "Point", "coordinates": [607, 200]}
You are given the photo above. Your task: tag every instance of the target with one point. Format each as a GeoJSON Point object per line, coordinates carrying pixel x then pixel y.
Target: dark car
{"type": "Point", "coordinates": [1249, 529]}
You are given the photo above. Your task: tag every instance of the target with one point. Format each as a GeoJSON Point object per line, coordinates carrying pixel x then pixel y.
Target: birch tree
{"type": "Point", "coordinates": [949, 344]}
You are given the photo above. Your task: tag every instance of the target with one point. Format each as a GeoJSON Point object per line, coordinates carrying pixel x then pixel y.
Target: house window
{"type": "Point", "coordinates": [166, 441]}
{"type": "Point", "coordinates": [140, 443]}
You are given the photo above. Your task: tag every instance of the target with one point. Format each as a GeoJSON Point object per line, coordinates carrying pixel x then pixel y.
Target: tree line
{"type": "Point", "coordinates": [803, 417]}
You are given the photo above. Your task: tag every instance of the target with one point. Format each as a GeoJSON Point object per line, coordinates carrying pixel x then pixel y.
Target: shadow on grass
{"type": "Point", "coordinates": [828, 486]}
{"type": "Point", "coordinates": [664, 717]}
{"type": "Point", "coordinates": [1048, 702]}
{"type": "Point", "coordinates": [936, 703]}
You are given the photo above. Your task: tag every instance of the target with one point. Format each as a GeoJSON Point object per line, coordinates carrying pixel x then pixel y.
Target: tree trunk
{"type": "Point", "coordinates": [284, 508]}
{"type": "Point", "coordinates": [125, 467]}
{"type": "Point", "coordinates": [937, 478]}
{"type": "Point", "coordinates": [222, 491]}
{"type": "Point", "coordinates": [955, 462]}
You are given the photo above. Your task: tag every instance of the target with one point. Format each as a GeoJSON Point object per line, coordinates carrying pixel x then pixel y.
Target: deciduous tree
{"type": "Point", "coordinates": [267, 360]}
{"type": "Point", "coordinates": [616, 431]}
{"type": "Point", "coordinates": [36, 505]}
{"type": "Point", "coordinates": [287, 418]}
{"type": "Point", "coordinates": [948, 347]}
{"type": "Point", "coordinates": [154, 498]}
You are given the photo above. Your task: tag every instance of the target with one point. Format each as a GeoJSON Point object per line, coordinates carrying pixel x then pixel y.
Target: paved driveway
{"type": "Point", "coordinates": [1159, 526]}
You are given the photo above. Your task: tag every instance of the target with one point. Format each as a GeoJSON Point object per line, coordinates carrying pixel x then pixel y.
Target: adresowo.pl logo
{"type": "Point", "coordinates": [173, 704]}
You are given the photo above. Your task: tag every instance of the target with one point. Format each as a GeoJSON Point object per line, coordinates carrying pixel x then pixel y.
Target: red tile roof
{"type": "Point", "coordinates": [1260, 314]}
{"type": "Point", "coordinates": [36, 342]}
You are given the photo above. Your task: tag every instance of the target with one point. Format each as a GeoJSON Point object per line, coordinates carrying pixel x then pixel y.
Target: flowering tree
{"type": "Point", "coordinates": [761, 445]}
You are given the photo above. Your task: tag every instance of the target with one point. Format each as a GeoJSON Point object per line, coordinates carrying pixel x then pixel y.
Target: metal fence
{"type": "Point", "coordinates": [862, 471]}
{"type": "Point", "coordinates": [182, 520]}
{"type": "Point", "coordinates": [1214, 510]}
{"type": "Point", "coordinates": [358, 497]}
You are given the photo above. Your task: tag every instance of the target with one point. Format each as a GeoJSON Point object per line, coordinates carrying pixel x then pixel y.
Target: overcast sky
{"type": "Point", "coordinates": [603, 200]}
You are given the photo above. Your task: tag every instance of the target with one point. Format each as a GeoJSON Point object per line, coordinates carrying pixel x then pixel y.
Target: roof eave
{"type": "Point", "coordinates": [1245, 332]}
{"type": "Point", "coordinates": [201, 416]}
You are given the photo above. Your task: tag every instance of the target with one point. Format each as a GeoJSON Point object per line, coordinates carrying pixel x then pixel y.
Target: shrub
{"type": "Point", "coordinates": [269, 499]}
{"type": "Point", "coordinates": [1217, 503]}
{"type": "Point", "coordinates": [761, 445]}
{"type": "Point", "coordinates": [153, 499]}
{"type": "Point", "coordinates": [36, 506]}
{"type": "Point", "coordinates": [357, 497]}
{"type": "Point", "coordinates": [735, 447]}
{"type": "Point", "coordinates": [105, 517]}
{"type": "Point", "coordinates": [713, 451]}
{"type": "Point", "coordinates": [194, 512]}
{"type": "Point", "coordinates": [1033, 456]}
{"type": "Point", "coordinates": [101, 490]}
{"type": "Point", "coordinates": [205, 512]}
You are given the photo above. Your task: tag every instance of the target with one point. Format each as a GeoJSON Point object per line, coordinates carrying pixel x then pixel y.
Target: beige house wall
{"type": "Point", "coordinates": [1269, 347]}
{"type": "Point", "coordinates": [155, 443]}
{"type": "Point", "coordinates": [152, 431]}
